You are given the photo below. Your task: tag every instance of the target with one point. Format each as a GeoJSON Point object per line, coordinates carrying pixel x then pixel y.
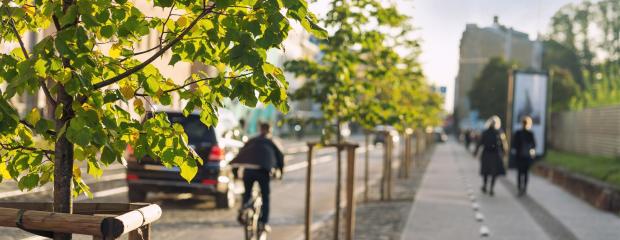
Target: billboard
{"type": "Point", "coordinates": [529, 98]}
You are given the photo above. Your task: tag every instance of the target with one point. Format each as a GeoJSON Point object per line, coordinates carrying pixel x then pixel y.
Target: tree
{"type": "Point", "coordinates": [558, 56]}
{"type": "Point", "coordinates": [361, 77]}
{"type": "Point", "coordinates": [563, 89]}
{"type": "Point", "coordinates": [584, 41]}
{"type": "Point", "coordinates": [490, 90]}
{"type": "Point", "coordinates": [84, 81]}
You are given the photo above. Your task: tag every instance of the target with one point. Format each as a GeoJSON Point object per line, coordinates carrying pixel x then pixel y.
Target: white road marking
{"type": "Point", "coordinates": [475, 206]}
{"type": "Point", "coordinates": [34, 238]}
{"type": "Point", "coordinates": [479, 216]}
{"type": "Point", "coordinates": [105, 193]}
{"type": "Point", "coordinates": [304, 164]}
{"type": "Point", "coordinates": [16, 193]}
{"type": "Point", "coordinates": [484, 231]}
{"type": "Point", "coordinates": [319, 160]}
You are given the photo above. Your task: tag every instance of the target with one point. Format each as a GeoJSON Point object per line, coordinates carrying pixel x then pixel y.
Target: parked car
{"type": "Point", "coordinates": [380, 134]}
{"type": "Point", "coordinates": [215, 145]}
{"type": "Point", "coordinates": [439, 135]}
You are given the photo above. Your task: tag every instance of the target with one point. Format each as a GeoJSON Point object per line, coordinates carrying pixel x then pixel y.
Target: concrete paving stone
{"type": "Point", "coordinates": [583, 220]}
{"type": "Point", "coordinates": [442, 209]}
{"type": "Point", "coordinates": [446, 205]}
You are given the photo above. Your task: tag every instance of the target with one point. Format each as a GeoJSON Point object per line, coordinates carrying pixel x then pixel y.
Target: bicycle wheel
{"type": "Point", "coordinates": [249, 227]}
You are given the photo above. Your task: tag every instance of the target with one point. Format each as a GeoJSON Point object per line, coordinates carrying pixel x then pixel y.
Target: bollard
{"type": "Point", "coordinates": [307, 230]}
{"type": "Point", "coordinates": [350, 214]}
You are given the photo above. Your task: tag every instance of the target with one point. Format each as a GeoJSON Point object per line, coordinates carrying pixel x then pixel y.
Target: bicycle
{"type": "Point", "coordinates": [250, 213]}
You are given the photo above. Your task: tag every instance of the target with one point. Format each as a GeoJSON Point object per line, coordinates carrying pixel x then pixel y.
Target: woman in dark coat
{"type": "Point", "coordinates": [523, 148]}
{"type": "Point", "coordinates": [493, 144]}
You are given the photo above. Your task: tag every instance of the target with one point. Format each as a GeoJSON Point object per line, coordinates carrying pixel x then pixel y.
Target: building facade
{"type": "Point", "coordinates": [478, 45]}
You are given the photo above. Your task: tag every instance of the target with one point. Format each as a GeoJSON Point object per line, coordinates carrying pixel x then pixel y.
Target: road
{"type": "Point", "coordinates": [186, 217]}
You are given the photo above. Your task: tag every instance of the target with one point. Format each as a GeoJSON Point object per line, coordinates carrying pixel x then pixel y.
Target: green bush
{"type": "Point", "coordinates": [606, 169]}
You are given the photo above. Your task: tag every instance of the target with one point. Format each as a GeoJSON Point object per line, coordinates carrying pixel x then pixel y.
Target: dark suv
{"type": "Point", "coordinates": [216, 146]}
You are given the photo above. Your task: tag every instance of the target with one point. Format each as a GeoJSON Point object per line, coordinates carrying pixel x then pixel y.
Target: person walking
{"type": "Point", "coordinates": [260, 158]}
{"type": "Point", "coordinates": [523, 148]}
{"type": "Point", "coordinates": [494, 147]}
{"type": "Point", "coordinates": [468, 138]}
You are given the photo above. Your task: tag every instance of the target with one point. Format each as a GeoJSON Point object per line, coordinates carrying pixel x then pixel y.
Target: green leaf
{"type": "Point", "coordinates": [188, 168]}
{"type": "Point", "coordinates": [152, 85]}
{"type": "Point", "coordinates": [40, 68]}
{"type": "Point", "coordinates": [164, 3]}
{"type": "Point", "coordinates": [33, 116]}
{"type": "Point", "coordinates": [28, 182]}
{"type": "Point", "coordinates": [174, 59]}
{"type": "Point", "coordinates": [42, 126]}
{"type": "Point", "coordinates": [58, 111]}
{"type": "Point", "coordinates": [94, 169]}
{"type": "Point", "coordinates": [78, 133]}
{"type": "Point", "coordinates": [103, 16]}
{"type": "Point", "coordinates": [165, 99]}
{"type": "Point", "coordinates": [70, 15]}
{"type": "Point", "coordinates": [107, 31]}
{"type": "Point", "coordinates": [108, 156]}
{"type": "Point", "coordinates": [4, 172]}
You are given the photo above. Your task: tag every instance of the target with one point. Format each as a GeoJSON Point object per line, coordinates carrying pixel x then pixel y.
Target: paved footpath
{"type": "Point", "coordinates": [450, 205]}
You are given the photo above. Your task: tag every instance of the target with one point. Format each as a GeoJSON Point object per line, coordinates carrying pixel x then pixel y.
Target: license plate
{"type": "Point", "coordinates": [161, 168]}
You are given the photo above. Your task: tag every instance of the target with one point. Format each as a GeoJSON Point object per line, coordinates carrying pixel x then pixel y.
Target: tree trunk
{"type": "Point", "coordinates": [63, 162]}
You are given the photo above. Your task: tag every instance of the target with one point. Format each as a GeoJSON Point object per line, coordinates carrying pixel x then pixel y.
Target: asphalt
{"type": "Point", "coordinates": [188, 217]}
{"type": "Point", "coordinates": [450, 205]}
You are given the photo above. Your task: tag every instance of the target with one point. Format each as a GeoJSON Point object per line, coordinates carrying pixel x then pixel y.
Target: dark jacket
{"type": "Point", "coordinates": [260, 151]}
{"type": "Point", "coordinates": [522, 141]}
{"type": "Point", "coordinates": [493, 147]}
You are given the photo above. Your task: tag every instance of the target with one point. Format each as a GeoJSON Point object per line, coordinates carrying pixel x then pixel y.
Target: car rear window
{"type": "Point", "coordinates": [197, 132]}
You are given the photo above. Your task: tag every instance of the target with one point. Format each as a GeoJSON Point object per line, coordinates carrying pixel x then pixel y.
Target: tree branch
{"type": "Point", "coordinates": [194, 82]}
{"type": "Point", "coordinates": [47, 93]}
{"type": "Point", "coordinates": [139, 67]}
{"type": "Point", "coordinates": [163, 26]}
{"type": "Point", "coordinates": [14, 29]}
{"type": "Point", "coordinates": [32, 149]}
{"type": "Point", "coordinates": [142, 52]}
{"type": "Point", "coordinates": [46, 90]}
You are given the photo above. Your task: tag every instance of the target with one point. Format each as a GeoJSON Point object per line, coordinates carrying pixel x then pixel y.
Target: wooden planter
{"type": "Point", "coordinates": [100, 220]}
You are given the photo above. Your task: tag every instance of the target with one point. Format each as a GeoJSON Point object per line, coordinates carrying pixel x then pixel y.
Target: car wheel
{"type": "Point", "coordinates": [226, 199]}
{"type": "Point", "coordinates": [136, 195]}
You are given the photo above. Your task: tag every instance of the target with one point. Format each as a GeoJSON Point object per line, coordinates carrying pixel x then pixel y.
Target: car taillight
{"type": "Point", "coordinates": [208, 182]}
{"type": "Point", "coordinates": [216, 154]}
{"type": "Point", "coordinates": [132, 177]}
{"type": "Point", "coordinates": [129, 153]}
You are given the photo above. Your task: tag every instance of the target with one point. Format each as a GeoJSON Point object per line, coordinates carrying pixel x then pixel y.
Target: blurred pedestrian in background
{"type": "Point", "coordinates": [468, 138]}
{"type": "Point", "coordinates": [494, 147]}
{"type": "Point", "coordinates": [524, 150]}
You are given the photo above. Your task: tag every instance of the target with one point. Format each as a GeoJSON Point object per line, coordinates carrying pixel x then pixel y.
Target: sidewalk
{"type": "Point", "coordinates": [450, 205]}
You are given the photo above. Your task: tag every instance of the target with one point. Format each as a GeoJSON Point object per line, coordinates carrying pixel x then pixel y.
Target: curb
{"type": "Point", "coordinates": [599, 194]}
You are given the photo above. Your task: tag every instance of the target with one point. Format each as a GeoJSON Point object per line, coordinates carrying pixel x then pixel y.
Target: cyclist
{"type": "Point", "coordinates": [260, 159]}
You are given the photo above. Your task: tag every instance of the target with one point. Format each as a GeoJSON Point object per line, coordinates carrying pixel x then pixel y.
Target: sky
{"type": "Point", "coordinates": [442, 22]}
